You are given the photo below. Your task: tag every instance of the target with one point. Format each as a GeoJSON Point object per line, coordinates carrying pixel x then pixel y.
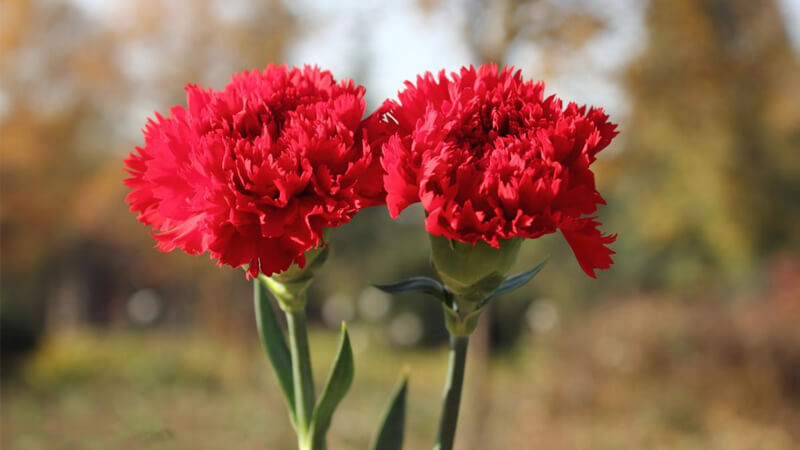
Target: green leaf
{"type": "Point", "coordinates": [339, 381]}
{"type": "Point", "coordinates": [423, 285]}
{"type": "Point", "coordinates": [515, 282]}
{"type": "Point", "coordinates": [274, 342]}
{"type": "Point", "coordinates": [390, 433]}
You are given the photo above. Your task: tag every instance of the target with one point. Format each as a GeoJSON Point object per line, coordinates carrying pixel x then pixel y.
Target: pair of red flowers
{"type": "Point", "coordinates": [252, 174]}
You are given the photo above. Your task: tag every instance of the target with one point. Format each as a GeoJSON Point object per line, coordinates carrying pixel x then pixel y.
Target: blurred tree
{"type": "Point", "coordinates": [495, 28]}
{"type": "Point", "coordinates": [709, 179]}
{"type": "Point", "coordinates": [76, 84]}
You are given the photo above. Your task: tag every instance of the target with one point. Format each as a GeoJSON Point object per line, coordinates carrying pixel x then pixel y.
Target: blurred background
{"type": "Point", "coordinates": [690, 341]}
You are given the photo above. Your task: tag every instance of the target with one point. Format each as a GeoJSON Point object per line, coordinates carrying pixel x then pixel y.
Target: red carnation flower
{"type": "Point", "coordinates": [253, 173]}
{"type": "Point", "coordinates": [490, 158]}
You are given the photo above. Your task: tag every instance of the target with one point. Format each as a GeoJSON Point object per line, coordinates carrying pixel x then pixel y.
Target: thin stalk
{"type": "Point", "coordinates": [452, 392]}
{"type": "Point", "coordinates": [301, 374]}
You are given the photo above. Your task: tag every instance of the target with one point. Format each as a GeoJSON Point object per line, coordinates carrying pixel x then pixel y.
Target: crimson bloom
{"type": "Point", "coordinates": [491, 159]}
{"type": "Point", "coordinates": [254, 172]}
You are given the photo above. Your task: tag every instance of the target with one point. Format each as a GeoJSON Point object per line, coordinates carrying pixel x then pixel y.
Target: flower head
{"type": "Point", "coordinates": [254, 172]}
{"type": "Point", "coordinates": [491, 159]}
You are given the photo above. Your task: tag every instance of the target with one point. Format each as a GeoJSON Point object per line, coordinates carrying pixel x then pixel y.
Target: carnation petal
{"type": "Point", "coordinates": [252, 173]}
{"type": "Point", "coordinates": [588, 244]}
{"type": "Point", "coordinates": [491, 158]}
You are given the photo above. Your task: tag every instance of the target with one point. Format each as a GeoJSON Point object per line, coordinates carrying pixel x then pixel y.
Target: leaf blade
{"type": "Point", "coordinates": [339, 381]}
{"type": "Point", "coordinates": [390, 433]}
{"type": "Point", "coordinates": [515, 282]}
{"type": "Point", "coordinates": [423, 285]}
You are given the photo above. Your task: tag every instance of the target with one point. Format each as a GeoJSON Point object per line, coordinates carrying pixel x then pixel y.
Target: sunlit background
{"type": "Point", "coordinates": [690, 341]}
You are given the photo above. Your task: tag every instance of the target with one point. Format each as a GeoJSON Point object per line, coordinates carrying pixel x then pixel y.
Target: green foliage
{"type": "Point", "coordinates": [339, 381]}
{"type": "Point", "coordinates": [515, 282]}
{"type": "Point", "coordinates": [461, 311]}
{"type": "Point", "coordinates": [392, 426]}
{"type": "Point", "coordinates": [421, 285]}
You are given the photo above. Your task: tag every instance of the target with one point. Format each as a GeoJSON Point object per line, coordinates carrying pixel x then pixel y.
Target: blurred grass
{"type": "Point", "coordinates": [125, 389]}
{"type": "Point", "coordinates": [643, 373]}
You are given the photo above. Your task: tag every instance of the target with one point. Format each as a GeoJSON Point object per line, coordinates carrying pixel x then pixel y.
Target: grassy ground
{"type": "Point", "coordinates": [631, 375]}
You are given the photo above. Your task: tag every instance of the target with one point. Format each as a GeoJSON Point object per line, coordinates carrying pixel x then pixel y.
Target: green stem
{"type": "Point", "coordinates": [301, 374]}
{"type": "Point", "coordinates": [452, 392]}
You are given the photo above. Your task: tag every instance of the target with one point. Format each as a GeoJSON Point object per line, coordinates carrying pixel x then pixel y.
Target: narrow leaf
{"type": "Point", "coordinates": [515, 282]}
{"type": "Point", "coordinates": [274, 342]}
{"type": "Point", "coordinates": [423, 285]}
{"type": "Point", "coordinates": [390, 433]}
{"type": "Point", "coordinates": [339, 381]}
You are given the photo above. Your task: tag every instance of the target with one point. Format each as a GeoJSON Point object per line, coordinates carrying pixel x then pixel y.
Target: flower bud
{"type": "Point", "coordinates": [473, 272]}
